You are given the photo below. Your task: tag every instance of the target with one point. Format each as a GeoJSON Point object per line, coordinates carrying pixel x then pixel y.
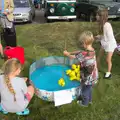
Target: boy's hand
{"type": "Point", "coordinates": [66, 53]}
{"type": "Point", "coordinates": [98, 37]}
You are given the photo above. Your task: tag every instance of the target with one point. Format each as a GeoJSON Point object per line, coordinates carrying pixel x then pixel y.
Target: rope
{"type": "Point", "coordinates": [64, 60]}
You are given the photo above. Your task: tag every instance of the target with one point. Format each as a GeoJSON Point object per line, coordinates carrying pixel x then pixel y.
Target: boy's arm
{"type": "Point", "coordinates": [68, 54]}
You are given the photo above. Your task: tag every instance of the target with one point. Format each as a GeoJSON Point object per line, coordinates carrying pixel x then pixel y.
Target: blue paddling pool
{"type": "Point", "coordinates": [45, 77]}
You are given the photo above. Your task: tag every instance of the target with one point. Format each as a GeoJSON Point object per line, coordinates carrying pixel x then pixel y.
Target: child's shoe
{"type": "Point", "coordinates": [80, 103]}
{"type": "Point", "coordinates": [25, 112]}
{"type": "Point", "coordinates": [90, 103]}
{"type": "Point", "coordinates": [107, 75]}
{"type": "Point", "coordinates": [2, 110]}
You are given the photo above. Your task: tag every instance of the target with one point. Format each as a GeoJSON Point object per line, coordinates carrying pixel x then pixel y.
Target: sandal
{"type": "Point", "coordinates": [25, 112]}
{"type": "Point", "coordinates": [2, 110]}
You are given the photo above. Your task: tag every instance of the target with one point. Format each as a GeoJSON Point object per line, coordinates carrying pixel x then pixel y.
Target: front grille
{"type": "Point", "coordinates": [112, 10]}
{"type": "Point", "coordinates": [18, 20]}
{"type": "Point", "coordinates": [17, 14]}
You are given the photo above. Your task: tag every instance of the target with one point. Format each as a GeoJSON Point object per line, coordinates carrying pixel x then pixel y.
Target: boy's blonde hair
{"type": "Point", "coordinates": [10, 66]}
{"type": "Point", "coordinates": [86, 38]}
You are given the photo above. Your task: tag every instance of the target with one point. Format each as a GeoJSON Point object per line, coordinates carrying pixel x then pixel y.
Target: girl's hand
{"type": "Point", "coordinates": [36, 91]}
{"type": "Point", "coordinates": [98, 36]}
{"type": "Point", "coordinates": [66, 53]}
{"type": "Point", "coordinates": [25, 78]}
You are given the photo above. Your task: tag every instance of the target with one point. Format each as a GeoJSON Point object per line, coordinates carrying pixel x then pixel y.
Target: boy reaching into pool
{"type": "Point", "coordinates": [15, 95]}
{"type": "Point", "coordinates": [87, 61]}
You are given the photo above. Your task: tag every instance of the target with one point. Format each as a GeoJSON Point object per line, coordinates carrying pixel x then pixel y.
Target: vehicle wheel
{"type": "Point", "coordinates": [31, 19]}
{"type": "Point", "coordinates": [34, 16]}
{"type": "Point", "coordinates": [49, 20]}
{"type": "Point", "coordinates": [78, 15]}
{"type": "Point", "coordinates": [91, 17]}
{"type": "Point", "coordinates": [70, 20]}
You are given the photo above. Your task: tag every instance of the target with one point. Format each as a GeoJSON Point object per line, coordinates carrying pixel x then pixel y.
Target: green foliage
{"type": "Point", "coordinates": [48, 40]}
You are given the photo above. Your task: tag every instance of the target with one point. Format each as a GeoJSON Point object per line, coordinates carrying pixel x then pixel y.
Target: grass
{"type": "Point", "coordinates": [48, 40]}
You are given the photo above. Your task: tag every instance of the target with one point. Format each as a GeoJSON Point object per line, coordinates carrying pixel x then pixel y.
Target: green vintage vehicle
{"type": "Point", "coordinates": [60, 10]}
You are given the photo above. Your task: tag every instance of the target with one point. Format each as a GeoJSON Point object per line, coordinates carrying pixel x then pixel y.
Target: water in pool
{"type": "Point", "coordinates": [46, 78]}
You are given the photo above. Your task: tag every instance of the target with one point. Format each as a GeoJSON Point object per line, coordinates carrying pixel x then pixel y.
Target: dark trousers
{"type": "Point", "coordinates": [86, 94]}
{"type": "Point", "coordinates": [9, 36]}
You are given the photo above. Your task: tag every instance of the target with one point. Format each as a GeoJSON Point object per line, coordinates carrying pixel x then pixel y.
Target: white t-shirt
{"type": "Point", "coordinates": [108, 41]}
{"type": "Point", "coordinates": [7, 98]}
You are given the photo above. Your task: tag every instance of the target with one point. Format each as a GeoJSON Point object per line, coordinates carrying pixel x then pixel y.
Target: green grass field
{"type": "Point", "coordinates": [40, 40]}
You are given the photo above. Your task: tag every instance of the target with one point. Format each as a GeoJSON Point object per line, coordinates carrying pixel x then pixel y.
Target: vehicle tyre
{"type": "Point", "coordinates": [70, 20]}
{"type": "Point", "coordinates": [78, 14]}
{"type": "Point", "coordinates": [31, 19]}
{"type": "Point", "coordinates": [49, 20]}
{"type": "Point", "coordinates": [91, 17]}
{"type": "Point", "coordinates": [34, 16]}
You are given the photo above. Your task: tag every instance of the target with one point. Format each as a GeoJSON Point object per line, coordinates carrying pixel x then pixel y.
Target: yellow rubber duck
{"type": "Point", "coordinates": [68, 71]}
{"type": "Point", "coordinates": [72, 74]}
{"type": "Point", "coordinates": [61, 82]}
{"type": "Point", "coordinates": [78, 75]}
{"type": "Point", "coordinates": [74, 66]}
{"type": "Point", "coordinates": [77, 69]}
{"type": "Point", "coordinates": [78, 78]}
{"type": "Point", "coordinates": [73, 78]}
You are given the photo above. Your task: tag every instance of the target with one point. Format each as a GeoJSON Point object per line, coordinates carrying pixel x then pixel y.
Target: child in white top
{"type": "Point", "coordinates": [107, 40]}
{"type": "Point", "coordinates": [15, 95]}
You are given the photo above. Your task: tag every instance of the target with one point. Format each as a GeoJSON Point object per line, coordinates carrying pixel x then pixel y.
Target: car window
{"type": "Point", "coordinates": [21, 3]}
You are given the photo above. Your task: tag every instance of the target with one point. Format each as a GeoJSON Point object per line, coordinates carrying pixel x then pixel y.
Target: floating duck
{"type": "Point", "coordinates": [61, 82]}
{"type": "Point", "coordinates": [73, 78]}
{"type": "Point", "coordinates": [68, 72]}
{"type": "Point", "coordinates": [78, 76]}
{"type": "Point", "coordinates": [74, 66]}
{"type": "Point", "coordinates": [74, 73]}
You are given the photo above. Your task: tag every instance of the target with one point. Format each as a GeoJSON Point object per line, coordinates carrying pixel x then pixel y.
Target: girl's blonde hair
{"type": "Point", "coordinates": [103, 18]}
{"type": "Point", "coordinates": [86, 38]}
{"type": "Point", "coordinates": [10, 66]}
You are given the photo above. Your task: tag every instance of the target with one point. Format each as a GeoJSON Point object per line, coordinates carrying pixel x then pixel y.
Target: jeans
{"type": "Point", "coordinates": [86, 92]}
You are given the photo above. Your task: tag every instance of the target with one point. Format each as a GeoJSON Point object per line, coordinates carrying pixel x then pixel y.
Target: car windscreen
{"type": "Point", "coordinates": [21, 3]}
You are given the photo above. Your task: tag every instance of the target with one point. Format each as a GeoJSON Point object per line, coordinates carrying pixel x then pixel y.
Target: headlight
{"type": "Point", "coordinates": [119, 10]}
{"type": "Point", "coordinates": [52, 10]}
{"type": "Point", "coordinates": [108, 8]}
{"type": "Point", "coordinates": [72, 10]}
{"type": "Point", "coordinates": [25, 14]}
